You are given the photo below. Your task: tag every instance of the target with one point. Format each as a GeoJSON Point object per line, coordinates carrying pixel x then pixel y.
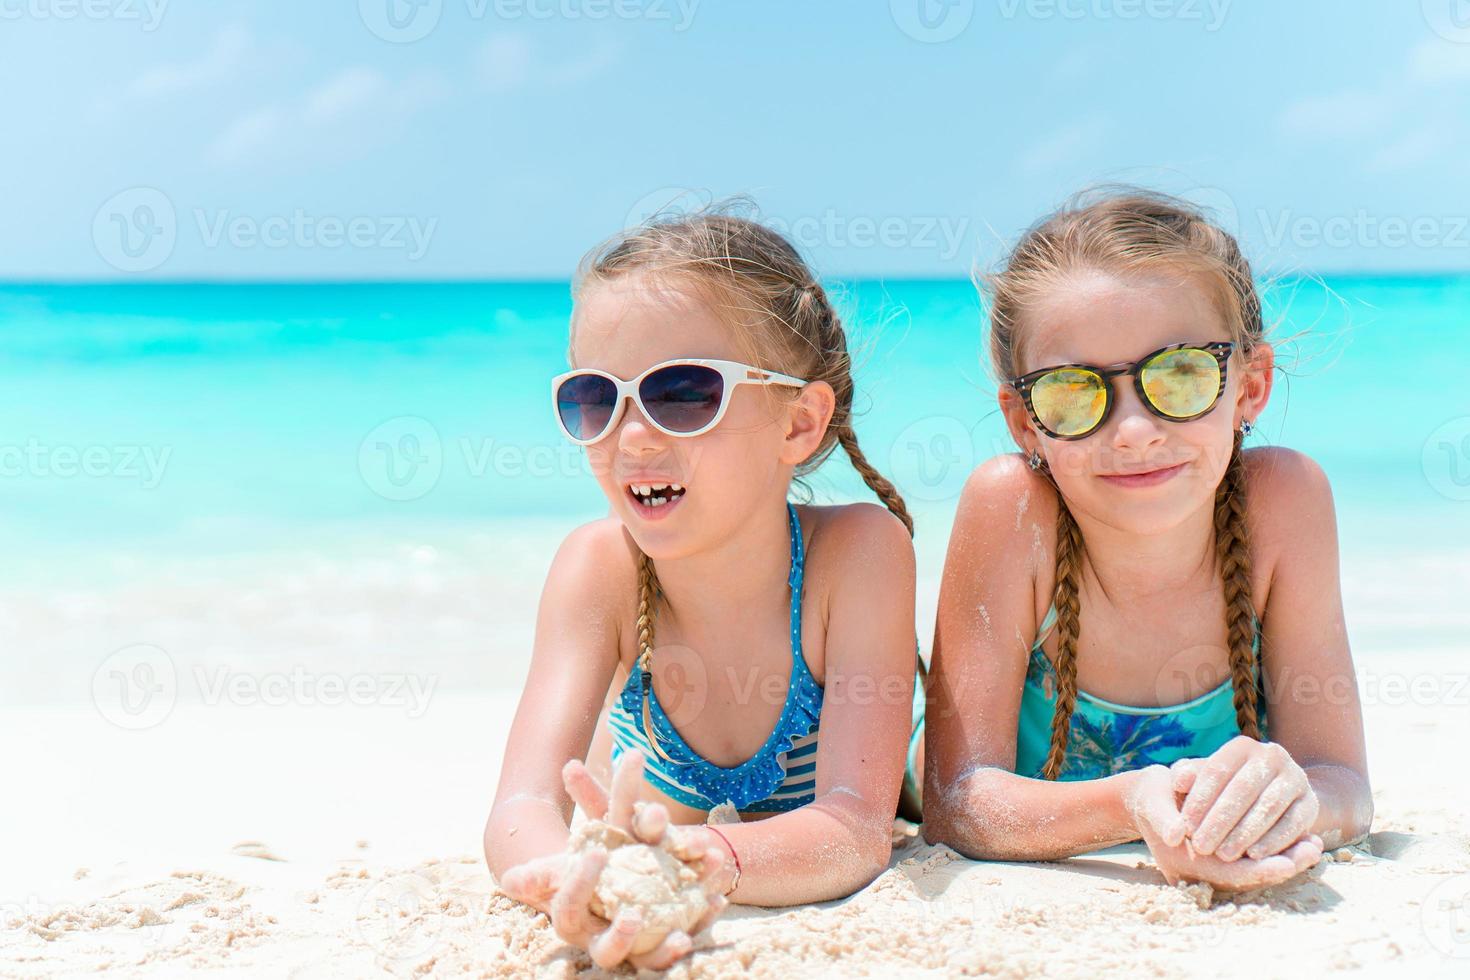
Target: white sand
{"type": "Point", "coordinates": [344, 841]}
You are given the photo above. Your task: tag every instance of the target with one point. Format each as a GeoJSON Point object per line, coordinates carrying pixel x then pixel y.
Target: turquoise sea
{"type": "Point", "coordinates": [152, 425]}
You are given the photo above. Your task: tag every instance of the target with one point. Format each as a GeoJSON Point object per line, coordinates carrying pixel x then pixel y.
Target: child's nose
{"type": "Point", "coordinates": [1134, 425]}
{"type": "Point", "coordinates": [635, 433]}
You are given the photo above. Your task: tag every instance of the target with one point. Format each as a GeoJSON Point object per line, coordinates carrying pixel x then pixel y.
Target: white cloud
{"type": "Point", "coordinates": [1399, 124]}
{"type": "Point", "coordinates": [344, 94]}
{"type": "Point", "coordinates": [504, 62]}
{"type": "Point", "coordinates": [585, 66]}
{"type": "Point", "coordinates": [1438, 60]}
{"type": "Point", "coordinates": [510, 61]}
{"type": "Point", "coordinates": [1408, 151]}
{"type": "Point", "coordinates": [226, 57]}
{"type": "Point", "coordinates": [355, 105]}
{"type": "Point", "coordinates": [246, 134]}
{"type": "Point", "coordinates": [1343, 115]}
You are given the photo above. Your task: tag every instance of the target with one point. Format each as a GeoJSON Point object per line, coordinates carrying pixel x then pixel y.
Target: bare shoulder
{"type": "Point", "coordinates": [860, 537]}
{"type": "Point", "coordinates": [1289, 493]}
{"type": "Point", "coordinates": [598, 564]}
{"type": "Point", "coordinates": [1010, 510]}
{"type": "Point", "coordinates": [1290, 514]}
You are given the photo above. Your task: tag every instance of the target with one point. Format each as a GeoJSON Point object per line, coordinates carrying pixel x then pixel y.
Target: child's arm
{"type": "Point", "coordinates": [1250, 798]}
{"type": "Point", "coordinates": [843, 839]}
{"type": "Point", "coordinates": [572, 663]}
{"type": "Point", "coordinates": [987, 618]}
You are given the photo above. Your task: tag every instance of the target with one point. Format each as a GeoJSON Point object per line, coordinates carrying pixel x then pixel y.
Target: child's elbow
{"type": "Point", "coordinates": [486, 843]}
{"type": "Point", "coordinates": [1359, 822]}
{"type": "Point", "coordinates": [875, 854]}
{"type": "Point", "coordinates": [957, 824]}
{"type": "Point", "coordinates": [953, 831]}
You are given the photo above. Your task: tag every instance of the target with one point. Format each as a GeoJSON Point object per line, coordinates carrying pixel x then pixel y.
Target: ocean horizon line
{"type": "Point", "coordinates": [1379, 275]}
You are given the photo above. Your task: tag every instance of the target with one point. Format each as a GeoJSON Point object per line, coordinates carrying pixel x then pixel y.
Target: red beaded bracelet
{"type": "Point", "coordinates": [722, 837]}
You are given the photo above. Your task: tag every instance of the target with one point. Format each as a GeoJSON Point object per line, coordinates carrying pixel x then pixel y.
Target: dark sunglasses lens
{"type": "Point", "coordinates": [683, 397]}
{"type": "Point", "coordinates": [585, 403]}
{"type": "Point", "coordinates": [1182, 383]}
{"type": "Point", "coordinates": [1069, 401]}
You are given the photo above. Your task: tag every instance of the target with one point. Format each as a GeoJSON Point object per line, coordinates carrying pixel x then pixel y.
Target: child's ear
{"type": "Point", "coordinates": [1255, 383]}
{"type": "Point", "coordinates": [806, 421]}
{"type": "Point", "coordinates": [1018, 420]}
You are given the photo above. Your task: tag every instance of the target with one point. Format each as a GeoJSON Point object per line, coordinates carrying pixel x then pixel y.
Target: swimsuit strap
{"type": "Point", "coordinates": [799, 716]}
{"type": "Point", "coordinates": [793, 579]}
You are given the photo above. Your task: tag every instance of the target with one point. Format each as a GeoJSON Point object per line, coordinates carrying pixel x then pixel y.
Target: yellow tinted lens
{"type": "Point", "coordinates": [1181, 383]}
{"type": "Point", "coordinates": [1069, 401]}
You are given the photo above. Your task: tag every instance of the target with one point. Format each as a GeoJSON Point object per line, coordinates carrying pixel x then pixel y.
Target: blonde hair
{"type": "Point", "coordinates": [779, 311]}
{"type": "Point", "coordinates": [1132, 232]}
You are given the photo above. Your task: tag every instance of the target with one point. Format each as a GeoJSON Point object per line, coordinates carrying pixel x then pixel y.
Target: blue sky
{"type": "Point", "coordinates": [405, 139]}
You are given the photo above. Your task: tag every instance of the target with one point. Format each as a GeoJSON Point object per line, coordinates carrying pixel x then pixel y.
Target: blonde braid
{"type": "Point", "coordinates": [1067, 600]}
{"type": "Point", "coordinates": [647, 593]}
{"type": "Point", "coordinates": [1233, 548]}
{"type": "Point", "coordinates": [876, 481]}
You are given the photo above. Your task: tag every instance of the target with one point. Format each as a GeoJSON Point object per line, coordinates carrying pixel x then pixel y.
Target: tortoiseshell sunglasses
{"type": "Point", "coordinates": [1179, 383]}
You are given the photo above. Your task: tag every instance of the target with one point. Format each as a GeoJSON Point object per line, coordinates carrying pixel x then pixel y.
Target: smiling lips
{"type": "Point", "coordinates": [1148, 478]}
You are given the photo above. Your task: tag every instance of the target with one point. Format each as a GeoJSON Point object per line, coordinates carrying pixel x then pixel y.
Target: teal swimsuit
{"type": "Point", "coordinates": [1106, 737]}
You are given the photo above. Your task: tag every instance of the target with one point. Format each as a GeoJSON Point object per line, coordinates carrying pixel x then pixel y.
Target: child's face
{"type": "Point", "coordinates": [1099, 319]}
{"type": "Point", "coordinates": [626, 325]}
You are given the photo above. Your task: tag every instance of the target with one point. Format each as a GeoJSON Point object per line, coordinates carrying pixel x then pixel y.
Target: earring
{"type": "Point", "coordinates": [1246, 427]}
{"type": "Point", "coordinates": [1034, 460]}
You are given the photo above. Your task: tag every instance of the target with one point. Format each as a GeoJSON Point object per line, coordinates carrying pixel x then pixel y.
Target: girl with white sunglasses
{"type": "Point", "coordinates": [747, 654]}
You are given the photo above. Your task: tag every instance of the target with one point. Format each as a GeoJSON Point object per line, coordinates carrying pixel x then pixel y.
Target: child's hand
{"type": "Point", "coordinates": [1155, 808]}
{"type": "Point", "coordinates": [1248, 798]}
{"type": "Point", "coordinates": [649, 822]}
{"type": "Point", "coordinates": [536, 882]}
{"type": "Point", "coordinates": [565, 886]}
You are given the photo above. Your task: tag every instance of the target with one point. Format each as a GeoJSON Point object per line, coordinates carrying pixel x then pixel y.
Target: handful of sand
{"type": "Point", "coordinates": [664, 890]}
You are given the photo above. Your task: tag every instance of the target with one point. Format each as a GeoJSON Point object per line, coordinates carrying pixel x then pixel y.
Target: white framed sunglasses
{"type": "Point", "coordinates": [684, 397]}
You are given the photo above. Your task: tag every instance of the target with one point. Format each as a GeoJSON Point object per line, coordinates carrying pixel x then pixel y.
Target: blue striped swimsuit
{"type": "Point", "coordinates": [782, 773]}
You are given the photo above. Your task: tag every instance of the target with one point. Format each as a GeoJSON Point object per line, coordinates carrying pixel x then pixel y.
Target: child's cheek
{"type": "Point", "coordinates": [599, 462]}
{"type": "Point", "coordinates": [1071, 464]}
